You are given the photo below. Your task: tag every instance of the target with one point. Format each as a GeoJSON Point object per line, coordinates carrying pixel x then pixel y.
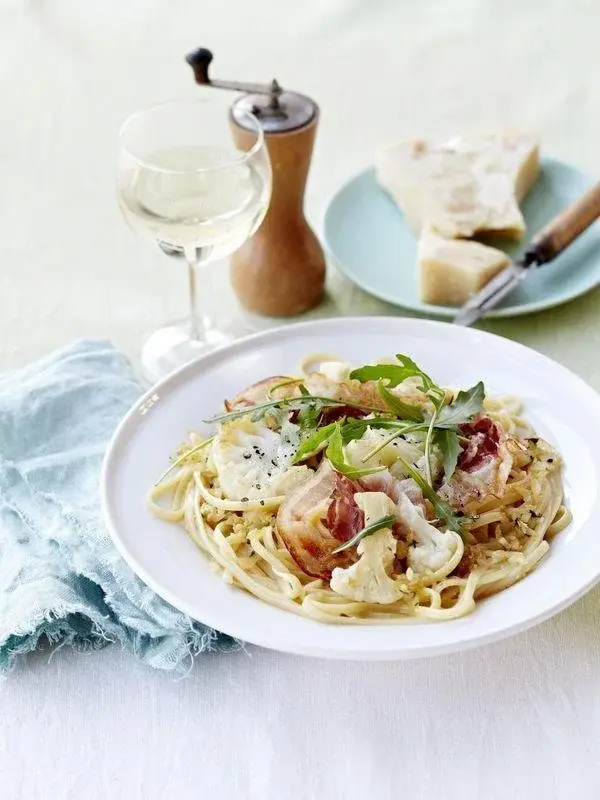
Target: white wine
{"type": "Point", "coordinates": [198, 199]}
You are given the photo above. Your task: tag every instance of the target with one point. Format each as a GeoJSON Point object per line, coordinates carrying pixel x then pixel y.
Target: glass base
{"type": "Point", "coordinates": [171, 347]}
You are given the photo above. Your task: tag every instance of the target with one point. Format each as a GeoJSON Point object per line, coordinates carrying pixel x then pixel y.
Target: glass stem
{"type": "Point", "coordinates": [199, 319]}
{"type": "Point", "coordinates": [196, 323]}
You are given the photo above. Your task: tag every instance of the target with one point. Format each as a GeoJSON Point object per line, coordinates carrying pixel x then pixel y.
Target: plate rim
{"type": "Point", "coordinates": [447, 312]}
{"type": "Point", "coordinates": [322, 651]}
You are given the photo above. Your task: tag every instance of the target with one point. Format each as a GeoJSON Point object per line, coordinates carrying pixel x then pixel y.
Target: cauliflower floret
{"type": "Point", "coordinates": [253, 461]}
{"type": "Point", "coordinates": [369, 579]}
{"type": "Point", "coordinates": [358, 449]}
{"type": "Point", "coordinates": [436, 551]}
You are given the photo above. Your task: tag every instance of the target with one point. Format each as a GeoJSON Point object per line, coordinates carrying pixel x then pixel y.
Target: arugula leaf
{"type": "Point", "coordinates": [428, 443]}
{"type": "Point", "coordinates": [393, 373]}
{"type": "Point", "coordinates": [447, 441]}
{"type": "Point", "coordinates": [308, 416]}
{"type": "Point", "coordinates": [350, 429]}
{"type": "Point", "coordinates": [398, 406]}
{"type": "Point", "coordinates": [354, 428]}
{"type": "Point", "coordinates": [314, 443]}
{"type": "Point", "coordinates": [384, 522]}
{"type": "Point", "coordinates": [442, 509]}
{"type": "Point", "coordinates": [465, 406]}
{"type": "Point", "coordinates": [428, 385]}
{"type": "Point", "coordinates": [291, 403]}
{"type": "Point", "coordinates": [437, 396]}
{"type": "Point", "coordinates": [396, 374]}
{"type": "Point", "coordinates": [441, 424]}
{"type": "Point", "coordinates": [335, 454]}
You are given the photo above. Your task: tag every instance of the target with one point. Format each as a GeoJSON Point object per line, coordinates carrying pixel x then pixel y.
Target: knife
{"type": "Point", "coordinates": [555, 237]}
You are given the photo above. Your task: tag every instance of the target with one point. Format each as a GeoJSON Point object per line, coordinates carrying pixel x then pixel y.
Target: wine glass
{"type": "Point", "coordinates": [184, 183]}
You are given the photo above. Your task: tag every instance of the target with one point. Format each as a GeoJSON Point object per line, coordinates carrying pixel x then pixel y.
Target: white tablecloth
{"type": "Point", "coordinates": [519, 719]}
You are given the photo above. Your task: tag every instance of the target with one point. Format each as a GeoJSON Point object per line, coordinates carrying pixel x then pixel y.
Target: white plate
{"type": "Point", "coordinates": [560, 405]}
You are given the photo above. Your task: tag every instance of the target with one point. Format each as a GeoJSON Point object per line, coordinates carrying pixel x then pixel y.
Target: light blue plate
{"type": "Point", "coordinates": [371, 242]}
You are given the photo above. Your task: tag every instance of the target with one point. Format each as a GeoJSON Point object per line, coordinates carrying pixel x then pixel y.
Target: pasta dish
{"type": "Point", "coordinates": [367, 494]}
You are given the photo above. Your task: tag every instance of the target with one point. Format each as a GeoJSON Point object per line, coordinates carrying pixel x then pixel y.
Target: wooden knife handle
{"type": "Point", "coordinates": [564, 228]}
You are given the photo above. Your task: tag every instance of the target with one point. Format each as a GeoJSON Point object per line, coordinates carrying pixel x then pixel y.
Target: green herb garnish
{"type": "Point", "coordinates": [445, 419]}
{"type": "Point", "coordinates": [315, 443]}
{"type": "Point", "coordinates": [442, 509]}
{"type": "Point", "coordinates": [355, 428]}
{"type": "Point", "coordinates": [291, 403]}
{"type": "Point", "coordinates": [395, 374]}
{"type": "Point", "coordinates": [384, 522]}
{"type": "Point", "coordinates": [463, 408]}
{"type": "Point", "coordinates": [398, 406]}
{"type": "Point", "coordinates": [335, 454]}
{"type": "Point", "coordinates": [439, 425]}
{"type": "Point", "coordinates": [447, 441]}
{"type": "Point", "coordinates": [310, 414]}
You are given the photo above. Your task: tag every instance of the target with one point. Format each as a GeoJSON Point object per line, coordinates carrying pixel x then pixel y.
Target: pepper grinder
{"type": "Point", "coordinates": [280, 271]}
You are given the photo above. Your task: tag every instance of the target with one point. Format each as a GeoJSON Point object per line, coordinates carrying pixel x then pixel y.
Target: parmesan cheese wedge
{"type": "Point", "coordinates": [450, 270]}
{"type": "Point", "coordinates": [468, 186]}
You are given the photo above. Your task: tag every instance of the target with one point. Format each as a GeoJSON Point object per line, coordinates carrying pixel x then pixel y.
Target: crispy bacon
{"type": "Point", "coordinates": [483, 441]}
{"type": "Point", "coordinates": [314, 518]}
{"type": "Point", "coordinates": [344, 517]}
{"type": "Point", "coordinates": [483, 466]}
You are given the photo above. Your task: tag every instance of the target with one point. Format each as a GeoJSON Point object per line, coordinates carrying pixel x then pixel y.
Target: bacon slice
{"type": "Point", "coordinates": [483, 466]}
{"type": "Point", "coordinates": [314, 518]}
{"type": "Point", "coordinates": [344, 517]}
{"type": "Point", "coordinates": [483, 441]}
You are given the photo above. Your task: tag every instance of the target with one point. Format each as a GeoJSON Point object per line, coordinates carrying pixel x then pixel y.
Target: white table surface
{"type": "Point", "coordinates": [518, 719]}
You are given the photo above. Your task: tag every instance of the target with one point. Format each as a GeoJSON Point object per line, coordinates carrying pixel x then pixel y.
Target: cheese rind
{"type": "Point", "coordinates": [450, 270]}
{"type": "Point", "coordinates": [468, 186]}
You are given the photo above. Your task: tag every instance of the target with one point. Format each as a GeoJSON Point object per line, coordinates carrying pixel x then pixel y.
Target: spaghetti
{"type": "Point", "coordinates": [302, 466]}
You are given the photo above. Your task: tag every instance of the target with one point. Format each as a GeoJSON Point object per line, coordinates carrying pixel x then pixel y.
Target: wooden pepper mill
{"type": "Point", "coordinates": [280, 271]}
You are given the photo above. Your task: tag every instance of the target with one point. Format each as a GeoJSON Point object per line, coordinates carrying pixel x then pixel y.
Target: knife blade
{"type": "Point", "coordinates": [555, 237]}
{"type": "Point", "coordinates": [491, 294]}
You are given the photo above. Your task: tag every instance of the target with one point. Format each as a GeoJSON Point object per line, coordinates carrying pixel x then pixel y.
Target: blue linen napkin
{"type": "Point", "coordinates": [60, 576]}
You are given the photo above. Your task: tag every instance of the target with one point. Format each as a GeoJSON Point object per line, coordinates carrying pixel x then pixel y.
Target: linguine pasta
{"type": "Point", "coordinates": [471, 496]}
